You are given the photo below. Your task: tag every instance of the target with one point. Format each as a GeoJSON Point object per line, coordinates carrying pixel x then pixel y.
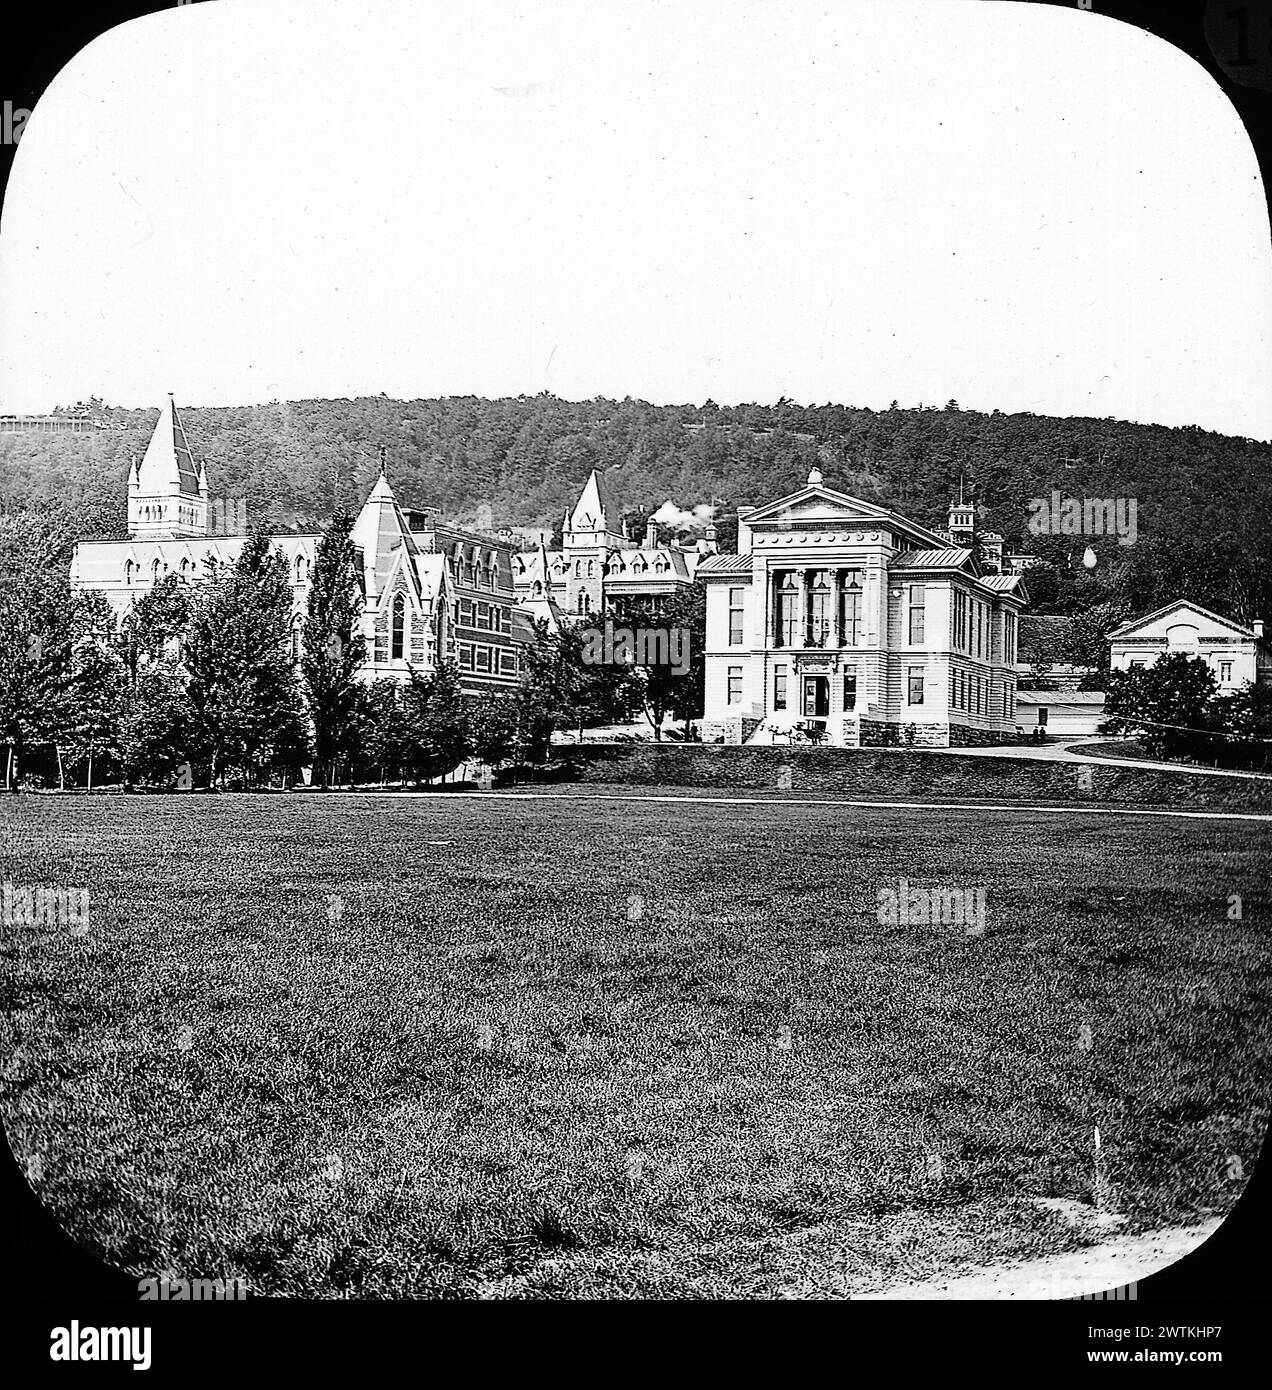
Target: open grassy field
{"type": "Point", "coordinates": [452, 1046]}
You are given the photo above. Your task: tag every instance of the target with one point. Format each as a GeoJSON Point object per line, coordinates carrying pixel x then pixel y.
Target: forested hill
{"type": "Point", "coordinates": [1204, 500]}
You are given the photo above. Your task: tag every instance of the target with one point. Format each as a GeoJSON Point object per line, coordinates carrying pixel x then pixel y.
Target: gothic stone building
{"type": "Point", "coordinates": [841, 620]}
{"type": "Point", "coordinates": [431, 591]}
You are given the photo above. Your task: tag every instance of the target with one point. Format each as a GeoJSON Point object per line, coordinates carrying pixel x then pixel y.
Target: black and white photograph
{"type": "Point", "coordinates": [635, 657]}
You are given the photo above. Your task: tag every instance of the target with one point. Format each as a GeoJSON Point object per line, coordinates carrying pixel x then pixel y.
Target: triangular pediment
{"type": "Point", "coordinates": [816, 503]}
{"type": "Point", "coordinates": [1157, 623]}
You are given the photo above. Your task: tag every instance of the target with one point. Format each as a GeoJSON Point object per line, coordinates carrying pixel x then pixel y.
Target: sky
{"type": "Point", "coordinates": [1015, 206]}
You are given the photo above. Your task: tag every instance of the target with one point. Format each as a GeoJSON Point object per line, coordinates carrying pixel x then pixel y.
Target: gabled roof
{"type": "Point", "coordinates": [841, 509]}
{"type": "Point", "coordinates": [168, 460]}
{"type": "Point", "coordinates": [1134, 624]}
{"type": "Point", "coordinates": [543, 609]}
{"type": "Point", "coordinates": [1004, 583]}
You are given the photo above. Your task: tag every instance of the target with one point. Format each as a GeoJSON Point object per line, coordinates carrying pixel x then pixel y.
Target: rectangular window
{"type": "Point", "coordinates": [917, 605]}
{"type": "Point", "coordinates": [737, 599]}
{"type": "Point", "coordinates": [779, 687]}
{"type": "Point", "coordinates": [483, 658]}
{"type": "Point", "coordinates": [789, 628]}
{"type": "Point", "coordinates": [1225, 671]}
{"type": "Point", "coordinates": [820, 599]}
{"type": "Point", "coordinates": [508, 662]}
{"type": "Point", "coordinates": [466, 656]}
{"type": "Point", "coordinates": [850, 611]}
{"type": "Point", "coordinates": [735, 685]}
{"type": "Point", "coordinates": [916, 685]}
{"type": "Point", "coordinates": [850, 690]}
{"type": "Point", "coordinates": [960, 620]}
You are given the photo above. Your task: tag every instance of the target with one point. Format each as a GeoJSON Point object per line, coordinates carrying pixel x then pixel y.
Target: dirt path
{"type": "Point", "coordinates": [1123, 1260]}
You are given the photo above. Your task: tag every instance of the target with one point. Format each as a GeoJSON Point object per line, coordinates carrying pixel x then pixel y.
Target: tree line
{"type": "Point", "coordinates": [1204, 505]}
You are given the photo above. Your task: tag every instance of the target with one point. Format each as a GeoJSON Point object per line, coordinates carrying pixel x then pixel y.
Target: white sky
{"type": "Point", "coordinates": [1013, 205]}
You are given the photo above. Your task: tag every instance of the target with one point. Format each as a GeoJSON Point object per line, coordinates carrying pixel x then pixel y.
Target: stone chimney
{"type": "Point", "coordinates": [744, 531]}
{"type": "Point", "coordinates": [651, 534]}
{"type": "Point", "coordinates": [1257, 625]}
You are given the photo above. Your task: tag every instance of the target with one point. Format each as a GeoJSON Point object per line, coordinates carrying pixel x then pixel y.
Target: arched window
{"type": "Point", "coordinates": [128, 571]}
{"type": "Point", "coordinates": [536, 589]}
{"type": "Point", "coordinates": [302, 569]}
{"type": "Point", "coordinates": [298, 624]}
{"type": "Point", "coordinates": [578, 569]}
{"type": "Point", "coordinates": [185, 568]}
{"type": "Point", "coordinates": [660, 565]}
{"type": "Point", "coordinates": [154, 571]}
{"type": "Point", "coordinates": [397, 643]}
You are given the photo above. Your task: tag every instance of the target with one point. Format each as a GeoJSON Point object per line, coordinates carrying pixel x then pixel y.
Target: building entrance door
{"type": "Point", "coordinates": [816, 697]}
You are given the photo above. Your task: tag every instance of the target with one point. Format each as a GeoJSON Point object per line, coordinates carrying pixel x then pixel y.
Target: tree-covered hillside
{"type": "Point", "coordinates": [1204, 501]}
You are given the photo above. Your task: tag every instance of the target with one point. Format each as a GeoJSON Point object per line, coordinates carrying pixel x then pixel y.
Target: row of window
{"type": "Point", "coordinates": [975, 693]}
{"type": "Point", "coordinates": [586, 569]}
{"type": "Point", "coordinates": [189, 569]}
{"type": "Point", "coordinates": [484, 660]}
{"type": "Point", "coordinates": [485, 617]}
{"type": "Point", "coordinates": [972, 620]}
{"type": "Point", "coordinates": [825, 613]}
{"type": "Point", "coordinates": [474, 574]}
{"type": "Point", "coordinates": [188, 516]}
{"type": "Point", "coordinates": [968, 691]}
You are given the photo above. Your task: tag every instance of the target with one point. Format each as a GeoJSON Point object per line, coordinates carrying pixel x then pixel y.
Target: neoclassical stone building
{"type": "Point", "coordinates": [843, 621]}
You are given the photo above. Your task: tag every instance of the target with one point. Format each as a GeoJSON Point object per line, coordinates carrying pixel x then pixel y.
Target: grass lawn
{"type": "Point", "coordinates": [451, 1046]}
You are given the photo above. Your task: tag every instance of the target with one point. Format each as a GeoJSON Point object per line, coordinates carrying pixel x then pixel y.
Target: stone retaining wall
{"type": "Point", "coordinates": [899, 774]}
